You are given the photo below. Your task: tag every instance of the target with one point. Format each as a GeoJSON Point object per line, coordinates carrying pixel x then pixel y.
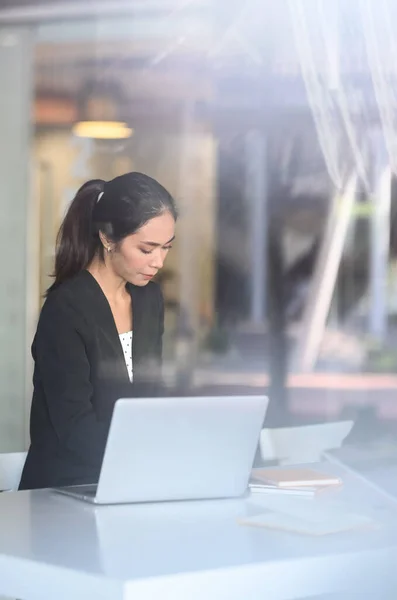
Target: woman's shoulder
{"type": "Point", "coordinates": [70, 297]}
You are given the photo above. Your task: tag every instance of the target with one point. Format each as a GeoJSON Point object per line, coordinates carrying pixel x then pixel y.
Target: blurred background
{"type": "Point", "coordinates": [273, 123]}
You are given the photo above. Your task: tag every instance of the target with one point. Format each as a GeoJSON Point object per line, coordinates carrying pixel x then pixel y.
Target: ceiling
{"type": "Point", "coordinates": [21, 3]}
{"type": "Point", "coordinates": [179, 53]}
{"type": "Point", "coordinates": [177, 45]}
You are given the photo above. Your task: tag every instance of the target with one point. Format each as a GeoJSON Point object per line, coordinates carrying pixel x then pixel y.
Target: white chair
{"type": "Point", "coordinates": [306, 444]}
{"type": "Point", "coordinates": [11, 465]}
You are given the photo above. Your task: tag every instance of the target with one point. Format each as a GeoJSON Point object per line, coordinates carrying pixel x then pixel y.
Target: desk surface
{"type": "Point", "coordinates": [54, 546]}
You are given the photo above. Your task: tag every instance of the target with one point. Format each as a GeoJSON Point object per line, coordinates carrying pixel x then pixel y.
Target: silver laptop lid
{"type": "Point", "coordinates": [180, 448]}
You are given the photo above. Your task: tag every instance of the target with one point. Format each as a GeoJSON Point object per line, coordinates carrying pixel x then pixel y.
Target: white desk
{"type": "Point", "coordinates": [55, 547]}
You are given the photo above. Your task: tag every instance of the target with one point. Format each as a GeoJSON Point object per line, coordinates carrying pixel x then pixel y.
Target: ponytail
{"type": "Point", "coordinates": [77, 242]}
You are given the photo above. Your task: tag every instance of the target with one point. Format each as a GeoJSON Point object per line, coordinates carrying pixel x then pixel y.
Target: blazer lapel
{"type": "Point", "coordinates": [146, 369]}
{"type": "Point", "coordinates": [137, 338]}
{"type": "Point", "coordinates": [114, 362]}
{"type": "Point", "coordinates": [105, 322]}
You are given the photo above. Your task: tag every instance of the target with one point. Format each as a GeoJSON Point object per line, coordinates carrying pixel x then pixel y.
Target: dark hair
{"type": "Point", "coordinates": [116, 208]}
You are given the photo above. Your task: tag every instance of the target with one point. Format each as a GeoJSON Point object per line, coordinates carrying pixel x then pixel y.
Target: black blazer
{"type": "Point", "coordinates": [79, 374]}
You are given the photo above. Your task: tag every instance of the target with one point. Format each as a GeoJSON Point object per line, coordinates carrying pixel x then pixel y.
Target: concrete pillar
{"type": "Point", "coordinates": [187, 322]}
{"type": "Point", "coordinates": [256, 195]}
{"type": "Point", "coordinates": [379, 237]}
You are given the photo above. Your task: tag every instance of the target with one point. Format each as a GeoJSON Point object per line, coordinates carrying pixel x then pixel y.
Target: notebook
{"type": "Point", "coordinates": [293, 478]}
{"type": "Point", "coordinates": [263, 488]}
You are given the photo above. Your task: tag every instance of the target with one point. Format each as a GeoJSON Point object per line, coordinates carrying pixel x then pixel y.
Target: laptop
{"type": "Point", "coordinates": [167, 449]}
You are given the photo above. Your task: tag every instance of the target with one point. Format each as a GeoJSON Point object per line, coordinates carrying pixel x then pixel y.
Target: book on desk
{"type": "Point", "coordinates": [294, 480]}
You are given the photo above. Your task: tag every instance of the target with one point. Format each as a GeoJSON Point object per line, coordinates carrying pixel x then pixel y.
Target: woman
{"type": "Point", "coordinates": [101, 325]}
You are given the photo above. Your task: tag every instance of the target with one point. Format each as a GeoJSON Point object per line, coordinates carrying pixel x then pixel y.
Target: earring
{"type": "Point", "coordinates": [108, 249]}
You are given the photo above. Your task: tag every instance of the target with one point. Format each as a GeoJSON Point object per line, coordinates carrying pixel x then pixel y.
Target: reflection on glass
{"type": "Point", "coordinates": [279, 150]}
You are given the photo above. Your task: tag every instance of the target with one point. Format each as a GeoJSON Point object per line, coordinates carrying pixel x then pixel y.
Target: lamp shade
{"type": "Point", "coordinates": [100, 114]}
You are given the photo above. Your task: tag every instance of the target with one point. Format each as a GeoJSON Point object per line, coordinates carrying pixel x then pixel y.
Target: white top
{"type": "Point", "coordinates": [52, 546]}
{"type": "Point", "coordinates": [126, 342]}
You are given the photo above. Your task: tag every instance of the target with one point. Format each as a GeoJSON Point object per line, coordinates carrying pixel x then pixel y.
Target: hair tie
{"type": "Point", "coordinates": [100, 196]}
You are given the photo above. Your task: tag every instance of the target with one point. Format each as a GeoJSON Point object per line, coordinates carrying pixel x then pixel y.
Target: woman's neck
{"type": "Point", "coordinates": [113, 286]}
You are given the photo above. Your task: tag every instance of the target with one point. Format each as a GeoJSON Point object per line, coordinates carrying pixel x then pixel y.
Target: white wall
{"type": "Point", "coordinates": [15, 108]}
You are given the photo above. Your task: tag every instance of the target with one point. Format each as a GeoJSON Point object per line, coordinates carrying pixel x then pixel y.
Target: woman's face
{"type": "Point", "coordinates": [138, 257]}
